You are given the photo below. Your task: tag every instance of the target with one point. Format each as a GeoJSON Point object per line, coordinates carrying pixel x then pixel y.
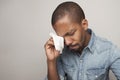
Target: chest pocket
{"type": "Point", "coordinates": [96, 74]}
{"type": "Point", "coordinates": [70, 71]}
{"type": "Point", "coordinates": [68, 67]}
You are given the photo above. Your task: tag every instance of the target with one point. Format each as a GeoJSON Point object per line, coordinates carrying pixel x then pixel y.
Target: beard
{"type": "Point", "coordinates": [78, 47]}
{"type": "Point", "coordinates": [75, 48]}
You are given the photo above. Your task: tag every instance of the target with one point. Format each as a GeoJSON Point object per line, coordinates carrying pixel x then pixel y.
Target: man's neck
{"type": "Point", "coordinates": [86, 42]}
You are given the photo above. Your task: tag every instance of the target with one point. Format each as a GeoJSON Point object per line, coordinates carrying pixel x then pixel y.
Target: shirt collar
{"type": "Point", "coordinates": [90, 45]}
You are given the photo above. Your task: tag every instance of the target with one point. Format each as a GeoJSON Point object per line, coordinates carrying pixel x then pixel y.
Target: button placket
{"type": "Point", "coordinates": [81, 69]}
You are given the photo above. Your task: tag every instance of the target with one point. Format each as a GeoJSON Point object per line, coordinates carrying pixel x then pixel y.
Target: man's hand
{"type": "Point", "coordinates": [51, 53]}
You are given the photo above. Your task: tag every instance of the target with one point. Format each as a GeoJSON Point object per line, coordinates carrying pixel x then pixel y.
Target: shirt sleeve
{"type": "Point", "coordinates": [115, 60]}
{"type": "Point", "coordinates": [60, 70]}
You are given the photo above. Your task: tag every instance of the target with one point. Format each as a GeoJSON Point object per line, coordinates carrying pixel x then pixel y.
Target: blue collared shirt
{"type": "Point", "coordinates": [97, 58]}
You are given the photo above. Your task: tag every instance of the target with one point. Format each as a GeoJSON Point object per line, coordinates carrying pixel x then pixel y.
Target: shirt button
{"type": "Point", "coordinates": [96, 76]}
{"type": "Point", "coordinates": [81, 61]}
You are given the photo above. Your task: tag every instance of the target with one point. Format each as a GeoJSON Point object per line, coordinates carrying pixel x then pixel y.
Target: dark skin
{"type": "Point", "coordinates": [75, 36]}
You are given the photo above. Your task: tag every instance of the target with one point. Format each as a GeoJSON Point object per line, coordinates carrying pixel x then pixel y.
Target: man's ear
{"type": "Point", "coordinates": [85, 24]}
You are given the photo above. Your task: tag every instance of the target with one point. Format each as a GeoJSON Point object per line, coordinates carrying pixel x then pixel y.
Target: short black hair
{"type": "Point", "coordinates": [72, 9]}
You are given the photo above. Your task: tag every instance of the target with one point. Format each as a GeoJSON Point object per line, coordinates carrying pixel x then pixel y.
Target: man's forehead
{"type": "Point", "coordinates": [63, 29]}
{"type": "Point", "coordinates": [63, 25]}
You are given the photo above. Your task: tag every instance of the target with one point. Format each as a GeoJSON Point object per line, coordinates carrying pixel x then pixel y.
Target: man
{"type": "Point", "coordinates": [85, 55]}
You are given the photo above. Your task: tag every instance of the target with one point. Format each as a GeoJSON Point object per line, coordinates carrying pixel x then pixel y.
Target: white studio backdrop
{"type": "Point", "coordinates": [25, 27]}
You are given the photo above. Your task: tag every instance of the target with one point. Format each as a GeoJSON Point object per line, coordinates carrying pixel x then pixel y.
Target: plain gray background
{"type": "Point", "coordinates": [25, 25]}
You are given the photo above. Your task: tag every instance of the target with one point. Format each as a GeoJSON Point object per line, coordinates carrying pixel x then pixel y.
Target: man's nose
{"type": "Point", "coordinates": [68, 41]}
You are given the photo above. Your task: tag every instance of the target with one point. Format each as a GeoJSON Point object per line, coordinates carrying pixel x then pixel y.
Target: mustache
{"type": "Point", "coordinates": [72, 45]}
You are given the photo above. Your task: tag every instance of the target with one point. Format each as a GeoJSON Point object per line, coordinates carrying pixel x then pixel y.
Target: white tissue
{"type": "Point", "coordinates": [58, 42]}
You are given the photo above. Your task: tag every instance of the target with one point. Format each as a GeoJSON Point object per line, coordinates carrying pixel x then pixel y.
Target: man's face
{"type": "Point", "coordinates": [73, 33]}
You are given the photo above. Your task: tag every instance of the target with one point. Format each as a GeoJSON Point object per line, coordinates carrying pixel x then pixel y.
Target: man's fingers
{"type": "Point", "coordinates": [51, 39]}
{"type": "Point", "coordinates": [49, 43]}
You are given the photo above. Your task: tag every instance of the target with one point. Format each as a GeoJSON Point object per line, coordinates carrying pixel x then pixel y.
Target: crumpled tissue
{"type": "Point", "coordinates": [58, 42]}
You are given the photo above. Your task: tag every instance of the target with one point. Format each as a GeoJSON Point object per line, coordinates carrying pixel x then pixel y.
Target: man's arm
{"type": "Point", "coordinates": [115, 60]}
{"type": "Point", "coordinates": [52, 71]}
{"type": "Point", "coordinates": [52, 55]}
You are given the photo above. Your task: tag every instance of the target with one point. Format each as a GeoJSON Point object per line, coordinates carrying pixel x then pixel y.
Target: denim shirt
{"type": "Point", "coordinates": [97, 58]}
